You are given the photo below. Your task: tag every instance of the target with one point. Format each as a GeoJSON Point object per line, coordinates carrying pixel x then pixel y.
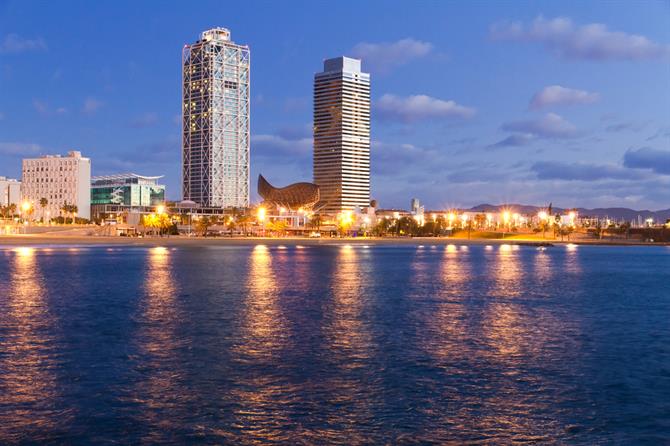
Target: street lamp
{"type": "Point", "coordinates": [261, 218]}
{"type": "Point", "coordinates": [160, 209]}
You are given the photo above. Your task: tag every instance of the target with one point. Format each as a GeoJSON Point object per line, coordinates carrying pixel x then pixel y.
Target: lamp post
{"type": "Point", "coordinates": [261, 218]}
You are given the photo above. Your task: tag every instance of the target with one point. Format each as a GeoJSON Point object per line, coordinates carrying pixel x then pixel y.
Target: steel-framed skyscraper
{"type": "Point", "coordinates": [342, 135]}
{"type": "Point", "coordinates": [215, 121]}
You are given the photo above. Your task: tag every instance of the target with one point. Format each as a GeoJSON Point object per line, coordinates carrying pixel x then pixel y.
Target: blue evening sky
{"type": "Point", "coordinates": [473, 102]}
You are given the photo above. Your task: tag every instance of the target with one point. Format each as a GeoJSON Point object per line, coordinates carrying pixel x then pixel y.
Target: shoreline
{"type": "Point", "coordinates": [52, 240]}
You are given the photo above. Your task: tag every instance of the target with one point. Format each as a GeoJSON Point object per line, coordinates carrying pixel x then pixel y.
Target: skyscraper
{"type": "Point", "coordinates": [342, 135]}
{"type": "Point", "coordinates": [215, 121]}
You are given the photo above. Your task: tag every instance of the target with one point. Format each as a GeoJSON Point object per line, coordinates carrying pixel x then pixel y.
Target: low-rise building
{"type": "Point", "coordinates": [10, 191]}
{"type": "Point", "coordinates": [61, 180]}
{"type": "Point", "coordinates": [125, 193]}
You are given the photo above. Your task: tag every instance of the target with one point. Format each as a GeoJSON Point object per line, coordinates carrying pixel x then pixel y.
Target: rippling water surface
{"type": "Point", "coordinates": [335, 345]}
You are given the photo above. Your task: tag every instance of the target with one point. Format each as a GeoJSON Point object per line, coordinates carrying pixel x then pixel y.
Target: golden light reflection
{"type": "Point", "coordinates": [445, 323]}
{"type": "Point", "coordinates": [263, 336]}
{"type": "Point", "coordinates": [263, 331]}
{"type": "Point", "coordinates": [159, 344]}
{"type": "Point", "coordinates": [27, 360]}
{"type": "Point", "coordinates": [347, 332]}
{"type": "Point", "coordinates": [350, 342]}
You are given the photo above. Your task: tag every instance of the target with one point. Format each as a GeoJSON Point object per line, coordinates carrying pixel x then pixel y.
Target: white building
{"type": "Point", "coordinates": [61, 180]}
{"type": "Point", "coordinates": [342, 135]}
{"type": "Point", "coordinates": [215, 121]}
{"type": "Point", "coordinates": [10, 191]}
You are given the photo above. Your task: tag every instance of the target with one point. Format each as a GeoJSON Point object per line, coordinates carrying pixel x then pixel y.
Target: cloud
{"type": "Point", "coordinates": [647, 158]}
{"type": "Point", "coordinates": [662, 133]}
{"type": "Point", "coordinates": [558, 95]}
{"type": "Point", "coordinates": [20, 149]}
{"type": "Point", "coordinates": [382, 57]}
{"type": "Point", "coordinates": [91, 105]}
{"type": "Point", "coordinates": [626, 126]}
{"type": "Point", "coordinates": [276, 146]}
{"type": "Point", "coordinates": [294, 104]}
{"type": "Point", "coordinates": [13, 43]}
{"type": "Point", "coordinates": [554, 170]}
{"type": "Point", "coordinates": [583, 42]}
{"type": "Point", "coordinates": [516, 140]}
{"type": "Point", "coordinates": [146, 120]}
{"type": "Point", "coordinates": [45, 110]}
{"type": "Point", "coordinates": [549, 126]}
{"type": "Point", "coordinates": [419, 107]}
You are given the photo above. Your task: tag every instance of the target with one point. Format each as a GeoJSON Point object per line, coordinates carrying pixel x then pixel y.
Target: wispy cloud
{"type": "Point", "coordinates": [383, 57]}
{"type": "Point", "coordinates": [555, 170]}
{"type": "Point", "coordinates": [274, 146]}
{"type": "Point", "coordinates": [647, 158]}
{"type": "Point", "coordinates": [13, 43]}
{"type": "Point", "coordinates": [145, 120]}
{"type": "Point", "coordinates": [555, 95]}
{"type": "Point", "coordinates": [516, 140]}
{"type": "Point", "coordinates": [550, 125]}
{"type": "Point", "coordinates": [20, 149]}
{"type": "Point", "coordinates": [626, 127]}
{"type": "Point", "coordinates": [587, 42]}
{"type": "Point", "coordinates": [91, 105]}
{"type": "Point", "coordinates": [416, 107]}
{"type": "Point", "coordinates": [45, 109]}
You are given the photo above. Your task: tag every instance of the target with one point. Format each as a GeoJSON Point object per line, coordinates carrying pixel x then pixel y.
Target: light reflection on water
{"type": "Point", "coordinates": [28, 386]}
{"type": "Point", "coordinates": [336, 345]}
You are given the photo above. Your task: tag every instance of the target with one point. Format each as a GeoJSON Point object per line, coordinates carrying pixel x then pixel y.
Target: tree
{"type": "Point", "coordinates": [12, 209]}
{"type": "Point", "coordinates": [315, 222]}
{"type": "Point", "coordinates": [43, 204]}
{"type": "Point", "coordinates": [407, 225]}
{"type": "Point", "coordinates": [382, 227]}
{"type": "Point", "coordinates": [203, 224]}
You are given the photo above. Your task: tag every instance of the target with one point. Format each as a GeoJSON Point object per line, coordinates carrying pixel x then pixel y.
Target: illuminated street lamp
{"type": "Point", "coordinates": [506, 215]}
{"type": "Point", "coordinates": [160, 209]}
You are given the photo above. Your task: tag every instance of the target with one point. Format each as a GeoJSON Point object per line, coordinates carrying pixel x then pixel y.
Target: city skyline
{"type": "Point", "coordinates": [494, 108]}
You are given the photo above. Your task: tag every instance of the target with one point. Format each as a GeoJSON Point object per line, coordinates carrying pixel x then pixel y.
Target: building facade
{"type": "Point", "coordinates": [342, 135]}
{"type": "Point", "coordinates": [215, 121]}
{"type": "Point", "coordinates": [10, 191]}
{"type": "Point", "coordinates": [127, 189]}
{"type": "Point", "coordinates": [60, 180]}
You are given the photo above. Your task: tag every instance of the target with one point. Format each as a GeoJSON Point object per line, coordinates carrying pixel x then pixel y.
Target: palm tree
{"type": "Point", "coordinates": [74, 209]}
{"type": "Point", "coordinates": [43, 204]}
{"type": "Point", "coordinates": [12, 209]}
{"type": "Point", "coordinates": [315, 222]}
{"type": "Point", "coordinates": [64, 210]}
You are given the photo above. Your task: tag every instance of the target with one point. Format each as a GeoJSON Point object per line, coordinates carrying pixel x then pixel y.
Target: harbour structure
{"type": "Point", "coordinates": [10, 191]}
{"type": "Point", "coordinates": [342, 135]}
{"type": "Point", "coordinates": [215, 121]}
{"type": "Point", "coordinates": [61, 180]}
